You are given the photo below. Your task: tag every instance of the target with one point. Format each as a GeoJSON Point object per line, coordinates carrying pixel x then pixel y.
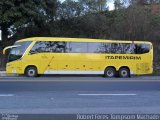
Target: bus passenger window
{"type": "Point", "coordinates": [116, 48]}
{"type": "Point", "coordinates": [142, 48]}
{"type": "Point", "coordinates": [77, 47]}
{"type": "Point", "coordinates": [128, 48]}
{"type": "Point", "coordinates": [60, 47]}
{"type": "Point", "coordinates": [96, 47]}
{"type": "Point", "coordinates": [39, 47]}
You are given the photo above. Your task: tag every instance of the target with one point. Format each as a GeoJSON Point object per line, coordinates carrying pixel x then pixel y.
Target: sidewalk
{"type": "Point", "coordinates": [4, 74]}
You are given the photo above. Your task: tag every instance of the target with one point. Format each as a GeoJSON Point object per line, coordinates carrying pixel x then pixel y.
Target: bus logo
{"type": "Point", "coordinates": [123, 57]}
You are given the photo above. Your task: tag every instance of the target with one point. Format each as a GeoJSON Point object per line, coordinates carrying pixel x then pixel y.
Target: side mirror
{"type": "Point", "coordinates": [14, 46]}
{"type": "Point", "coordinates": [4, 51]}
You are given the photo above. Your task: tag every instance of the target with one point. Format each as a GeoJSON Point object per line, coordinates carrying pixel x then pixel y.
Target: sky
{"type": "Point", "coordinates": [110, 4]}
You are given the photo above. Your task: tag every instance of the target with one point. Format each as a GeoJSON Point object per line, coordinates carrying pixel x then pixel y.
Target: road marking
{"type": "Point", "coordinates": [75, 81]}
{"type": "Point", "coordinates": [6, 95]}
{"type": "Point", "coordinates": [79, 79]}
{"type": "Point", "coordinates": [107, 94]}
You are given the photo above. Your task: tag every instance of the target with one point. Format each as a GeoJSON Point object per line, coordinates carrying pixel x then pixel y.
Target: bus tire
{"type": "Point", "coordinates": [110, 72]}
{"type": "Point", "coordinates": [124, 72]}
{"type": "Point", "coordinates": [31, 71]}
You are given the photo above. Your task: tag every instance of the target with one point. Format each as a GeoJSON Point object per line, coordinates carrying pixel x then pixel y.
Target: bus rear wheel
{"type": "Point", "coordinates": [124, 72]}
{"type": "Point", "coordinates": [31, 72]}
{"type": "Point", "coordinates": [110, 72]}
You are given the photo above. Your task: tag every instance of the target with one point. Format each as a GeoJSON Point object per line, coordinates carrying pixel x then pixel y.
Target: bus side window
{"type": "Point", "coordinates": [96, 47]}
{"type": "Point", "coordinates": [142, 48]}
{"type": "Point", "coordinates": [38, 47]}
{"type": "Point", "coordinates": [78, 47]}
{"type": "Point", "coordinates": [116, 48]}
{"type": "Point", "coordinates": [128, 48]}
{"type": "Point", "coordinates": [67, 47]}
{"type": "Point", "coordinates": [60, 47]}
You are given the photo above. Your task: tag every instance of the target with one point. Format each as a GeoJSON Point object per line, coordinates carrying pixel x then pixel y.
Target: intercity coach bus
{"type": "Point", "coordinates": [44, 55]}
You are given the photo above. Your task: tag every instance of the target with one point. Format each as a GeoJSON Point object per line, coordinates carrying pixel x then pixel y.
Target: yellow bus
{"type": "Point", "coordinates": [44, 55]}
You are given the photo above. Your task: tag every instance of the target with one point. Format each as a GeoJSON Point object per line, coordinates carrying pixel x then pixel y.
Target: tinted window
{"type": "Point", "coordinates": [57, 47]}
{"type": "Point", "coordinates": [39, 47]}
{"type": "Point", "coordinates": [142, 48]}
{"type": "Point", "coordinates": [77, 47]}
{"type": "Point", "coordinates": [96, 47]}
{"type": "Point", "coordinates": [128, 48]}
{"type": "Point", "coordinates": [116, 48]}
{"type": "Point", "coordinates": [49, 46]}
{"type": "Point", "coordinates": [84, 47]}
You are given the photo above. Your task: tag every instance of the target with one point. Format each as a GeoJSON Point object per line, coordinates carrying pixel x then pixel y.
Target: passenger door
{"type": "Point", "coordinates": [40, 56]}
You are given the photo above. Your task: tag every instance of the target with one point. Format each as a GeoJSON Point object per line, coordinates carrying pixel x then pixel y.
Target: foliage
{"type": "Point", "coordinates": [16, 14]}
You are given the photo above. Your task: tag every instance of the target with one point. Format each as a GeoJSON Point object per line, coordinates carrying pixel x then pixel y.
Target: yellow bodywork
{"type": "Point", "coordinates": [79, 63]}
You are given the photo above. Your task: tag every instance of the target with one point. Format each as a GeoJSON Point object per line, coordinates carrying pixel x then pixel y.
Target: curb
{"type": "Point", "coordinates": [4, 74]}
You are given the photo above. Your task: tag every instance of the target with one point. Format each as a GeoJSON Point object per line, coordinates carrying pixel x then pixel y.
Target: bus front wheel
{"type": "Point", "coordinates": [31, 71]}
{"type": "Point", "coordinates": [110, 72]}
{"type": "Point", "coordinates": [124, 72]}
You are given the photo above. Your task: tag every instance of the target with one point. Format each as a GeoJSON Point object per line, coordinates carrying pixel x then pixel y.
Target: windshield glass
{"type": "Point", "coordinates": [17, 52]}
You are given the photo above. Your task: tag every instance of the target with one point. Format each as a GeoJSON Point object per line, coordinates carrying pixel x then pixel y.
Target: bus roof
{"type": "Point", "coordinates": [79, 40]}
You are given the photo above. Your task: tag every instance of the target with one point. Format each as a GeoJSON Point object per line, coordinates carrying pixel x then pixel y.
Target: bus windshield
{"type": "Point", "coordinates": [17, 52]}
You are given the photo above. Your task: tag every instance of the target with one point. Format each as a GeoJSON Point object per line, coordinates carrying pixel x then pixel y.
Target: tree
{"type": "Point", "coordinates": [144, 2]}
{"type": "Point", "coordinates": [94, 5]}
{"type": "Point", "coordinates": [15, 14]}
{"type": "Point", "coordinates": [118, 4]}
{"type": "Point", "coordinates": [69, 9]}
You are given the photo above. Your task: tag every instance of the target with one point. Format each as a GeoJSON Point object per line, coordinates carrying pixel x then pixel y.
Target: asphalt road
{"type": "Point", "coordinates": [80, 94]}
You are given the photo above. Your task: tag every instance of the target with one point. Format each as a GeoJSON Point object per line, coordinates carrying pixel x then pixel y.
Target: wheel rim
{"type": "Point", "coordinates": [124, 73]}
{"type": "Point", "coordinates": [31, 72]}
{"type": "Point", "coordinates": [110, 73]}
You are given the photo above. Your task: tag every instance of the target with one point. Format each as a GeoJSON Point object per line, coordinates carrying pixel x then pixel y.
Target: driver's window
{"type": "Point", "coordinates": [38, 48]}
